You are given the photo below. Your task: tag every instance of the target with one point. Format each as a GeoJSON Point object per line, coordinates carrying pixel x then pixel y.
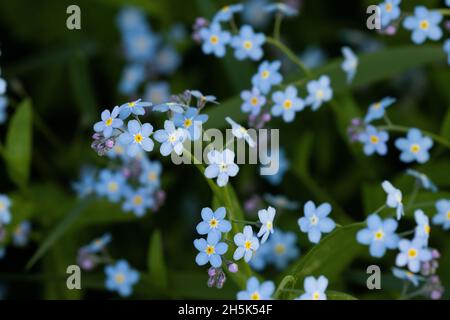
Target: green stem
{"type": "Point", "coordinates": [291, 56]}
{"type": "Point", "coordinates": [277, 26]}
{"type": "Point", "coordinates": [412, 196]}
{"type": "Point", "coordinates": [406, 233]}
{"type": "Point", "coordinates": [380, 209]}
{"type": "Point", "coordinates": [444, 12]}
{"type": "Point", "coordinates": [395, 128]}
{"type": "Point", "coordinates": [246, 222]}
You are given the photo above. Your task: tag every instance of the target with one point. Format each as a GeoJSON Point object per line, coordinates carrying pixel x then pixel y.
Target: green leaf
{"type": "Point", "coordinates": [286, 282]}
{"type": "Point", "coordinates": [18, 146]}
{"type": "Point", "coordinates": [335, 295]}
{"type": "Point", "coordinates": [330, 256]}
{"type": "Point", "coordinates": [155, 260]}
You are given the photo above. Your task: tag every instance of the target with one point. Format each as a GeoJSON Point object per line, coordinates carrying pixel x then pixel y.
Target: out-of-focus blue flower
{"type": "Point", "coordinates": [3, 86]}
{"type": "Point", "coordinates": [256, 291]}
{"type": "Point", "coordinates": [281, 202]}
{"type": "Point", "coordinates": [266, 217]}
{"type": "Point", "coordinates": [111, 185]}
{"type": "Point", "coordinates": [140, 45]}
{"type": "Point", "coordinates": [442, 217]}
{"type": "Point", "coordinates": [267, 76]}
{"type": "Point", "coordinates": [316, 221]}
{"type": "Point", "coordinates": [247, 44]}
{"type": "Point", "coordinates": [379, 235]}
{"type": "Point", "coordinates": [131, 19]}
{"type": "Point", "coordinates": [389, 11]}
{"type": "Point", "coordinates": [137, 138]}
{"type": "Point", "coordinates": [191, 121]}
{"type": "Point", "coordinates": [447, 49]}
{"type": "Point", "coordinates": [121, 278]}
{"type": "Point", "coordinates": [313, 57]}
{"type": "Point", "coordinates": [377, 109]}
{"type": "Point", "coordinates": [214, 40]}
{"type": "Point", "coordinates": [283, 166]}
{"type": "Point", "coordinates": [5, 214]}
{"type": "Point", "coordinates": [202, 98]}
{"type": "Point", "coordinates": [406, 275]}
{"type": "Point", "coordinates": [423, 229]}
{"type": "Point", "coordinates": [282, 249]}
{"type": "Point", "coordinates": [98, 244]}
{"type": "Point", "coordinates": [3, 107]}
{"type": "Point", "coordinates": [213, 221]}
{"type": "Point", "coordinates": [319, 91]}
{"type": "Point", "coordinates": [171, 138]}
{"type": "Point", "coordinates": [282, 8]}
{"type": "Point", "coordinates": [286, 104]}
{"type": "Point", "coordinates": [374, 141]}
{"type": "Point", "coordinates": [157, 92]}
{"type": "Point", "coordinates": [394, 198]}
{"type": "Point", "coordinates": [253, 101]}
{"type": "Point", "coordinates": [21, 234]}
{"type": "Point", "coordinates": [177, 33]}
{"type": "Point", "coordinates": [132, 77]}
{"type": "Point", "coordinates": [261, 257]}
{"type": "Point", "coordinates": [314, 289]}
{"type": "Point", "coordinates": [422, 178]}
{"type": "Point", "coordinates": [86, 183]}
{"type": "Point", "coordinates": [109, 122]}
{"type": "Point", "coordinates": [222, 166]}
{"type": "Point", "coordinates": [227, 12]}
{"type": "Point", "coordinates": [424, 24]}
{"type": "Point", "coordinates": [133, 107]}
{"type": "Point", "coordinates": [118, 151]}
{"type": "Point", "coordinates": [255, 13]}
{"type": "Point", "coordinates": [246, 244]}
{"type": "Point", "coordinates": [240, 132]}
{"type": "Point", "coordinates": [412, 253]}
{"type": "Point", "coordinates": [414, 147]}
{"type": "Point", "coordinates": [350, 63]}
{"type": "Point", "coordinates": [172, 106]}
{"type": "Point", "coordinates": [210, 249]}
{"type": "Point", "coordinates": [167, 60]}
{"type": "Point", "coordinates": [447, 3]}
{"type": "Point", "coordinates": [150, 175]}
{"type": "Point", "coordinates": [138, 201]}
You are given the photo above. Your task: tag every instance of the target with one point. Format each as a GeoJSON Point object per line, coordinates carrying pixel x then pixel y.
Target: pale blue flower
{"type": "Point", "coordinates": [267, 76]}
{"type": "Point", "coordinates": [214, 40]}
{"type": "Point", "coordinates": [133, 107]}
{"type": "Point", "coordinates": [109, 122]}
{"type": "Point", "coordinates": [253, 101]}
{"type": "Point", "coordinates": [442, 217]}
{"type": "Point", "coordinates": [140, 45]}
{"type": "Point", "coordinates": [447, 49]}
{"type": "Point", "coordinates": [247, 44]}
{"type": "Point", "coordinates": [111, 185]}
{"type": "Point", "coordinates": [5, 213]}
{"type": "Point", "coordinates": [121, 278]}
{"type": "Point", "coordinates": [137, 137]}
{"type": "Point", "coordinates": [21, 234]}
{"type": "Point", "coordinates": [3, 107]}
{"type": "Point", "coordinates": [423, 229]}
{"type": "Point", "coordinates": [266, 217]}
{"type": "Point", "coordinates": [157, 92]}
{"type": "Point", "coordinates": [3, 86]}
{"type": "Point", "coordinates": [314, 288]}
{"type": "Point", "coordinates": [424, 24]}
{"type": "Point", "coordinates": [221, 166]}
{"type": "Point", "coordinates": [414, 147]}
{"type": "Point", "coordinates": [98, 244]}
{"type": "Point", "coordinates": [377, 109]}
{"type": "Point", "coordinates": [203, 98]}
{"type": "Point", "coordinates": [118, 151]}
{"type": "Point", "coordinates": [226, 13]}
{"type": "Point", "coordinates": [210, 249]}
{"type": "Point", "coordinates": [138, 201]}
{"type": "Point", "coordinates": [389, 11]}
{"type": "Point", "coordinates": [167, 60]}
{"type": "Point", "coordinates": [130, 19]}
{"type": "Point", "coordinates": [350, 63]}
{"type": "Point", "coordinates": [169, 106]}
{"type": "Point", "coordinates": [406, 275]}
{"type": "Point", "coordinates": [374, 141]}
{"type": "Point", "coordinates": [379, 235]}
{"type": "Point", "coordinates": [191, 121]}
{"type": "Point", "coordinates": [319, 91]}
{"type": "Point", "coordinates": [316, 221]}
{"type": "Point", "coordinates": [261, 257]}
{"type": "Point", "coordinates": [313, 57]}
{"type": "Point", "coordinates": [287, 104]}
{"type": "Point", "coordinates": [282, 8]}
{"type": "Point", "coordinates": [171, 138]}
{"type": "Point", "coordinates": [86, 184]}
{"type": "Point", "coordinates": [255, 13]}
{"type": "Point", "coordinates": [132, 77]}
{"type": "Point", "coordinates": [256, 291]}
{"type": "Point", "coordinates": [282, 249]}
{"type": "Point", "coordinates": [240, 132]}
{"type": "Point", "coordinates": [412, 253]}
{"type": "Point", "coordinates": [213, 221]}
{"type": "Point", "coordinates": [422, 178]}
{"type": "Point", "coordinates": [281, 202]}
{"type": "Point", "coordinates": [246, 244]}
{"type": "Point", "coordinates": [278, 159]}
{"type": "Point", "coordinates": [394, 198]}
{"type": "Point", "coordinates": [150, 175]}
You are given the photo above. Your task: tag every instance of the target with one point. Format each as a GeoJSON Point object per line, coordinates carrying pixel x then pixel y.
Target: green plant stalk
{"type": "Point", "coordinates": [291, 55]}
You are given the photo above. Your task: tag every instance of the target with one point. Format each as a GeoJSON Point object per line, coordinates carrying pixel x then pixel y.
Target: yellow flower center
{"type": "Point", "coordinates": [118, 149]}
{"type": "Point", "coordinates": [388, 7]}
{"type": "Point", "coordinates": [319, 94]}
{"type": "Point", "coordinates": [187, 123]}
{"type": "Point", "coordinates": [412, 253]}
{"type": "Point", "coordinates": [313, 220]}
{"type": "Point", "coordinates": [374, 139]}
{"type": "Point", "coordinates": [137, 200]}
{"type": "Point", "coordinates": [113, 186]}
{"type": "Point", "coordinates": [287, 104]}
{"type": "Point", "coordinates": [448, 215]}
{"type": "Point", "coordinates": [172, 138]}
{"type": "Point", "coordinates": [210, 250]}
{"type": "Point", "coordinates": [280, 248]}
{"type": "Point", "coordinates": [376, 106]}
{"type": "Point", "coordinates": [248, 244]}
{"type": "Point", "coordinates": [223, 167]}
{"type": "Point", "coordinates": [138, 138]}
{"type": "Point", "coordinates": [254, 101]}
{"type": "Point", "coordinates": [316, 295]}
{"type": "Point", "coordinates": [248, 45]}
{"type": "Point", "coordinates": [379, 235]}
{"type": "Point", "coordinates": [109, 122]}
{"type": "Point", "coordinates": [255, 296]}
{"type": "Point", "coordinates": [427, 229]}
{"type": "Point", "coordinates": [119, 278]}
{"type": "Point", "coordinates": [2, 206]}
{"type": "Point", "coordinates": [424, 24]}
{"type": "Point", "coordinates": [213, 223]}
{"type": "Point", "coordinates": [152, 176]}
{"type": "Point", "coordinates": [415, 148]}
{"type": "Point", "coordinates": [265, 74]}
{"type": "Point", "coordinates": [131, 104]}
{"type": "Point", "coordinates": [225, 9]}
{"type": "Point", "coordinates": [269, 225]}
{"type": "Point", "coordinates": [214, 39]}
